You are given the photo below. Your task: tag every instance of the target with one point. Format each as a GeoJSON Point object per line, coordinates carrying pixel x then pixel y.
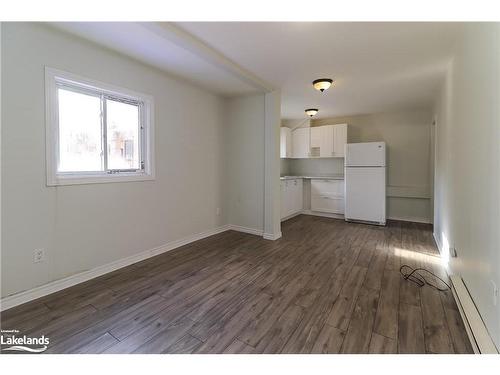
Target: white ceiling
{"type": "Point", "coordinates": [144, 44]}
{"type": "Point", "coordinates": [377, 66]}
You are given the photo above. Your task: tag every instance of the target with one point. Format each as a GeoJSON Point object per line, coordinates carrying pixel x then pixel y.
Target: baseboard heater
{"type": "Point", "coordinates": [476, 330]}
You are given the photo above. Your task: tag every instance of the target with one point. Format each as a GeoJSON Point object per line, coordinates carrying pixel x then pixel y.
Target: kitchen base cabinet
{"type": "Point", "coordinates": [323, 196]}
{"type": "Point", "coordinates": [291, 197]}
{"type": "Point", "coordinates": [339, 140]}
{"type": "Point", "coordinates": [327, 203]}
{"type": "Point", "coordinates": [327, 196]}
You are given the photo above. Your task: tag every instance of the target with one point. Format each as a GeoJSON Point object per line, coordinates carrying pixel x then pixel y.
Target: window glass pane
{"type": "Point", "coordinates": [80, 139]}
{"type": "Point", "coordinates": [122, 135]}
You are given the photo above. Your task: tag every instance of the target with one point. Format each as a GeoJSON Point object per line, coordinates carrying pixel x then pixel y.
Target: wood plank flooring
{"type": "Point", "coordinates": [326, 286]}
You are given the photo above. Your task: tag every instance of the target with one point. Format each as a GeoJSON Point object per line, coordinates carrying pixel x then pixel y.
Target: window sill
{"type": "Point", "coordinates": [99, 179]}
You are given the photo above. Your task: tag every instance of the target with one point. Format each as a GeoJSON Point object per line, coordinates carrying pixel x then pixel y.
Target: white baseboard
{"type": "Point", "coordinates": [438, 242]}
{"type": "Point", "coordinates": [313, 213]}
{"type": "Point", "coordinates": [411, 219]}
{"type": "Point", "coordinates": [340, 216]}
{"type": "Point", "coordinates": [257, 232]}
{"type": "Point", "coordinates": [272, 237]}
{"type": "Point", "coordinates": [476, 329]}
{"type": "Point", "coordinates": [479, 337]}
{"type": "Point", "coordinates": [238, 228]}
{"type": "Point", "coordinates": [323, 214]}
{"type": "Point", "coordinates": [291, 216]}
{"type": "Point", "coordinates": [57, 285]}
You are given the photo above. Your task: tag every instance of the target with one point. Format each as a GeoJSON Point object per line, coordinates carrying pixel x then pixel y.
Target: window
{"type": "Point", "coordinates": [96, 132]}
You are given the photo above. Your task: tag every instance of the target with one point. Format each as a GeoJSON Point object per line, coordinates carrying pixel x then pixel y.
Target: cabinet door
{"type": "Point", "coordinates": [301, 143]}
{"type": "Point", "coordinates": [316, 141]}
{"type": "Point", "coordinates": [282, 143]}
{"type": "Point", "coordinates": [289, 197]}
{"type": "Point", "coordinates": [298, 190]}
{"type": "Point", "coordinates": [288, 133]}
{"type": "Point", "coordinates": [339, 140]}
{"type": "Point", "coordinates": [333, 187]}
{"type": "Point", "coordinates": [327, 196]}
{"type": "Point", "coordinates": [283, 198]}
{"type": "Point", "coordinates": [327, 143]}
{"type": "Point", "coordinates": [300, 195]}
{"type": "Point", "coordinates": [327, 203]}
{"type": "Point", "coordinates": [285, 142]}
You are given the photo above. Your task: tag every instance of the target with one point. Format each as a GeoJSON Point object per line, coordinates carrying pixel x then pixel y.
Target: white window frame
{"type": "Point", "coordinates": [55, 77]}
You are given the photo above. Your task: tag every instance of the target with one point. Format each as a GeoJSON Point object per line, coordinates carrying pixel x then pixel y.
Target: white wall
{"type": "Point", "coordinates": [272, 191]}
{"type": "Point", "coordinates": [244, 139]}
{"type": "Point", "coordinates": [467, 174]}
{"type": "Point", "coordinates": [85, 226]}
{"type": "Point", "coordinates": [408, 138]}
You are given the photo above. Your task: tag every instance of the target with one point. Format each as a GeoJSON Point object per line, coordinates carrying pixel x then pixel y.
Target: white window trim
{"type": "Point", "coordinates": [52, 76]}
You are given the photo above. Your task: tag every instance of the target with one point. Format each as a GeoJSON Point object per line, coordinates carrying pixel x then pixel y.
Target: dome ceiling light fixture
{"type": "Point", "coordinates": [311, 112]}
{"type": "Point", "coordinates": [322, 84]}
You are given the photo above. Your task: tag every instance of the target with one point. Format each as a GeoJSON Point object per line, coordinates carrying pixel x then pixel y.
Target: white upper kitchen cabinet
{"type": "Point", "coordinates": [327, 141]}
{"type": "Point", "coordinates": [339, 140]}
{"type": "Point", "coordinates": [317, 141]}
{"type": "Point", "coordinates": [301, 143]}
{"type": "Point", "coordinates": [322, 141]}
{"type": "Point", "coordinates": [285, 142]}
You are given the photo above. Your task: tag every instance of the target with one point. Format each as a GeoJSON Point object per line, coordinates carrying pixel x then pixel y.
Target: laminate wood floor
{"type": "Point", "coordinates": [326, 286]}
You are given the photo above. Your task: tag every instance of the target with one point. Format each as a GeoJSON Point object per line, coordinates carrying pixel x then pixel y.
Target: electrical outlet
{"type": "Point", "coordinates": [217, 211]}
{"type": "Point", "coordinates": [495, 292]}
{"type": "Point", "coordinates": [38, 255]}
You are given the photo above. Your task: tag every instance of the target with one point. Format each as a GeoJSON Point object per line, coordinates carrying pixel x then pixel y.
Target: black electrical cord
{"type": "Point", "coordinates": [416, 277]}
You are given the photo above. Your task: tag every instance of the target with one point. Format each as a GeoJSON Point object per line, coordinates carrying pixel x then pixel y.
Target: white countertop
{"type": "Point", "coordinates": [325, 177]}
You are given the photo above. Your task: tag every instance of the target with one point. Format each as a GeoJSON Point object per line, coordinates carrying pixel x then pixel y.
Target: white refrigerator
{"type": "Point", "coordinates": [365, 182]}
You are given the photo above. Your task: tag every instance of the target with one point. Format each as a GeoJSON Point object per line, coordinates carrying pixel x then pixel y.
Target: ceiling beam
{"type": "Point", "coordinates": [189, 42]}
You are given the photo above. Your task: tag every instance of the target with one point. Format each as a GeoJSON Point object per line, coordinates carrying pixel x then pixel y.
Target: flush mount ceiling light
{"type": "Point", "coordinates": [322, 84]}
{"type": "Point", "coordinates": [311, 112]}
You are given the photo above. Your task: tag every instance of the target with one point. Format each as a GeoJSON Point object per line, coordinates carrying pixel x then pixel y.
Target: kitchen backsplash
{"type": "Point", "coordinates": [285, 167]}
{"type": "Point", "coordinates": [303, 167]}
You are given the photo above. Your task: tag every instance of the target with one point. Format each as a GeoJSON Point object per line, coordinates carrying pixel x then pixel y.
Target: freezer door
{"type": "Point", "coordinates": [369, 154]}
{"type": "Point", "coordinates": [365, 194]}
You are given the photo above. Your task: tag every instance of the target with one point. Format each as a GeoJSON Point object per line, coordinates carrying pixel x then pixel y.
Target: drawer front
{"type": "Point", "coordinates": [322, 187]}
{"type": "Point", "coordinates": [327, 203]}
